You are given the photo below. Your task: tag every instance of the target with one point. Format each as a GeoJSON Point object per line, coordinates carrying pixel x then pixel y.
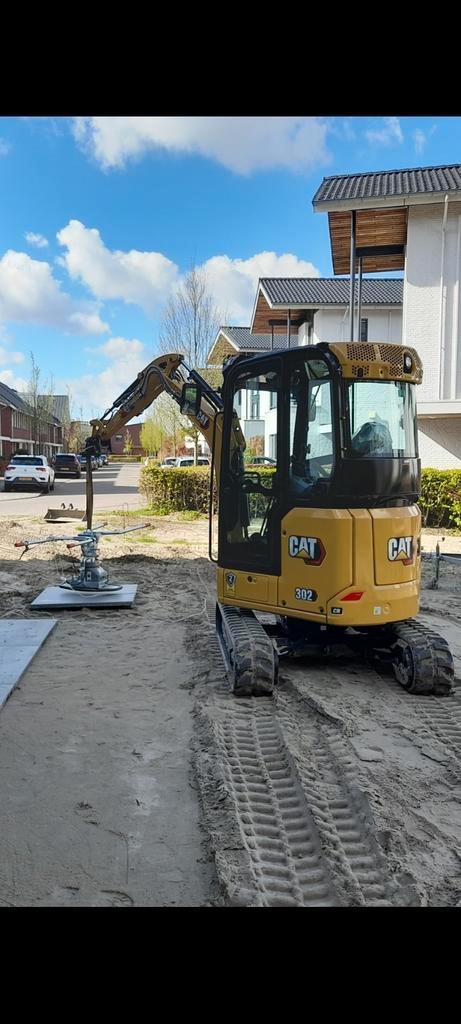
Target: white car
{"type": "Point", "coordinates": [187, 461]}
{"type": "Point", "coordinates": [29, 471]}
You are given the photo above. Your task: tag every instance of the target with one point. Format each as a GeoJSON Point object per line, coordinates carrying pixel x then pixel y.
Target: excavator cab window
{"type": "Point", "coordinates": [311, 427]}
{"type": "Point", "coordinates": [250, 489]}
{"type": "Point", "coordinates": [382, 419]}
{"type": "Point", "coordinates": [191, 399]}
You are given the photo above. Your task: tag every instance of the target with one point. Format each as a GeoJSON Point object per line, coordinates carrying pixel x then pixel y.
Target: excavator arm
{"type": "Point", "coordinates": [169, 374]}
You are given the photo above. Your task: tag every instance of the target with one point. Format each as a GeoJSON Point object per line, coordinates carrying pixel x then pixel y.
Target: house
{"type": "Point", "coordinates": [410, 220]}
{"type": "Point", "coordinates": [118, 441]}
{"type": "Point", "coordinates": [20, 427]}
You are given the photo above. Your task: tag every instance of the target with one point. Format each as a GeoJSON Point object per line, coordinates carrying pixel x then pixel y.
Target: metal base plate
{"type": "Point", "coordinates": [56, 597]}
{"type": "Point", "coordinates": [20, 640]}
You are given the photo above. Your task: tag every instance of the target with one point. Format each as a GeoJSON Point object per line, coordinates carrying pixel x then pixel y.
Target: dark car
{"type": "Point", "coordinates": [67, 465]}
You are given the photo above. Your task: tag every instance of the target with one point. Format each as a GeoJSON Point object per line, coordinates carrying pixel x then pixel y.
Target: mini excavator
{"type": "Point", "coordinates": [326, 536]}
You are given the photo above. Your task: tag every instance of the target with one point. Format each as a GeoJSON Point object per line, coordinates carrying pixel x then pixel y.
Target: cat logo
{"type": "Point", "coordinates": [310, 549]}
{"type": "Point", "coordinates": [400, 549]}
{"type": "Point", "coordinates": [230, 582]}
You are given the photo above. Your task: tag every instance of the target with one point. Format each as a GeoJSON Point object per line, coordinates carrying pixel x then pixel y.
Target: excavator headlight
{"type": "Point", "coordinates": [407, 363]}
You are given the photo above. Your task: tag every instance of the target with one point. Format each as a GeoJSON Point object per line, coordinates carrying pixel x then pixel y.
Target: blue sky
{"type": "Point", "coordinates": [101, 217]}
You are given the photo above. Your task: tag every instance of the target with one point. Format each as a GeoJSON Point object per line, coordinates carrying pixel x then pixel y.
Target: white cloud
{"type": "Point", "coordinates": [5, 147]}
{"type": "Point", "coordinates": [242, 144]}
{"type": "Point", "coordinates": [119, 348]}
{"type": "Point", "coordinates": [147, 279]}
{"type": "Point", "coordinates": [96, 392]}
{"type": "Point", "coordinates": [233, 282]}
{"type": "Point", "coordinates": [18, 383]}
{"type": "Point", "coordinates": [143, 278]}
{"type": "Point", "coordinates": [6, 356]}
{"type": "Point", "coordinates": [419, 140]}
{"type": "Point", "coordinates": [388, 135]}
{"type": "Point", "coordinates": [39, 241]}
{"type": "Point", "coordinates": [30, 294]}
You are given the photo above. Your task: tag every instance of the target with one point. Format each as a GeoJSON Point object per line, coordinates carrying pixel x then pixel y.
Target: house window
{"type": "Point", "coordinates": [254, 405]}
{"type": "Point", "coordinates": [364, 330]}
{"type": "Point", "coordinates": [273, 446]}
{"type": "Point", "coordinates": [273, 400]}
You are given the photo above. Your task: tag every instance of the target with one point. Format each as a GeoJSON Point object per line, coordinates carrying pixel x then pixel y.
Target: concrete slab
{"type": "Point", "coordinates": [20, 639]}
{"type": "Point", "coordinates": [57, 597]}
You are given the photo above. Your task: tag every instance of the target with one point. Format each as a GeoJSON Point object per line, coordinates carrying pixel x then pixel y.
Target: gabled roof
{"type": "Point", "coordinates": [277, 295]}
{"type": "Point", "coordinates": [11, 397]}
{"type": "Point", "coordinates": [330, 291]}
{"type": "Point", "coordinates": [60, 407]}
{"type": "Point", "coordinates": [409, 181]}
{"type": "Point", "coordinates": [231, 340]}
{"type": "Point", "coordinates": [248, 342]}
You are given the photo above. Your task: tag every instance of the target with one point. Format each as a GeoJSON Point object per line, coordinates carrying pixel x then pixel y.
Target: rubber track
{"type": "Point", "coordinates": [432, 658]}
{"type": "Point", "coordinates": [249, 654]}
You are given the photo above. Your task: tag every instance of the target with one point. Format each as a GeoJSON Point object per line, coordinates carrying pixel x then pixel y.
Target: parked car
{"type": "Point", "coordinates": [29, 471]}
{"type": "Point", "coordinates": [166, 464]}
{"type": "Point", "coordinates": [262, 460]}
{"type": "Point", "coordinates": [82, 461]}
{"type": "Point", "coordinates": [67, 465]}
{"type": "Point", "coordinates": [185, 461]}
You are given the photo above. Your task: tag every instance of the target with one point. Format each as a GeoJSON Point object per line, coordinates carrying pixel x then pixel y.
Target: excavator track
{"type": "Point", "coordinates": [249, 654]}
{"type": "Point", "coordinates": [422, 660]}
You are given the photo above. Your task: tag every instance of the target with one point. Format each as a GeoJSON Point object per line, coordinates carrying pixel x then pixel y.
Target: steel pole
{"type": "Point", "coordinates": [352, 278]}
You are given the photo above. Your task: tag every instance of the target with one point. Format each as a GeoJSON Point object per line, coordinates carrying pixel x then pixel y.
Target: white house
{"type": "Point", "coordinates": [410, 220]}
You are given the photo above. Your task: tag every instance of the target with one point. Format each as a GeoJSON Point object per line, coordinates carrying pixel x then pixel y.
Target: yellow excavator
{"type": "Point", "coordinates": [315, 454]}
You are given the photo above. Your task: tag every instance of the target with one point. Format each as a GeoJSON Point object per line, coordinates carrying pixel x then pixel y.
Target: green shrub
{"type": "Point", "coordinates": [440, 500]}
{"type": "Point", "coordinates": [176, 490]}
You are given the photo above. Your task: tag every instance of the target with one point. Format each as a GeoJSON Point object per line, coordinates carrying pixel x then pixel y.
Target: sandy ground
{"type": "Point", "coordinates": [132, 777]}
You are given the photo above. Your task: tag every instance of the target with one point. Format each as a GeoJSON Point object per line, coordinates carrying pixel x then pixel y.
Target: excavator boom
{"type": "Point", "coordinates": [166, 374]}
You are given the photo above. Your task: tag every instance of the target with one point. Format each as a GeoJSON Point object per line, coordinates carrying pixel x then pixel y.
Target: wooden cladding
{"type": "Point", "coordinates": [373, 228]}
{"type": "Point", "coordinates": [264, 314]}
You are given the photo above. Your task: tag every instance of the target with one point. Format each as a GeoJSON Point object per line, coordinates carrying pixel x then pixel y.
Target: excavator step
{"type": "Point", "coordinates": [422, 660]}
{"type": "Point", "coordinates": [249, 654]}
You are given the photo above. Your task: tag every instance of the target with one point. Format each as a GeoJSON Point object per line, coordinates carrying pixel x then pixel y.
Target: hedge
{"type": "Point", "coordinates": [177, 490]}
{"type": "Point", "coordinates": [440, 500]}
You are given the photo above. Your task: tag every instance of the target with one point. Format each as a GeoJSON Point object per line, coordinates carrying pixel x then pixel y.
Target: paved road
{"type": "Point", "coordinates": [115, 485]}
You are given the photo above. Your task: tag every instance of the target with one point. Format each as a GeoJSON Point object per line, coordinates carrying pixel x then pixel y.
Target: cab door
{"type": "Point", "coordinates": [250, 492]}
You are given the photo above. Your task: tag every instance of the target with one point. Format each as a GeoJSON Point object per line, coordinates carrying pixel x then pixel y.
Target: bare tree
{"type": "Point", "coordinates": [190, 319]}
{"type": "Point", "coordinates": [39, 397]}
{"type": "Point", "coordinates": [190, 324]}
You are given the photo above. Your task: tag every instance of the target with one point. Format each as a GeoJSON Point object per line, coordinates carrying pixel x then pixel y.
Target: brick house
{"type": "Point", "coordinates": [118, 440]}
{"type": "Point", "coordinates": [17, 427]}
